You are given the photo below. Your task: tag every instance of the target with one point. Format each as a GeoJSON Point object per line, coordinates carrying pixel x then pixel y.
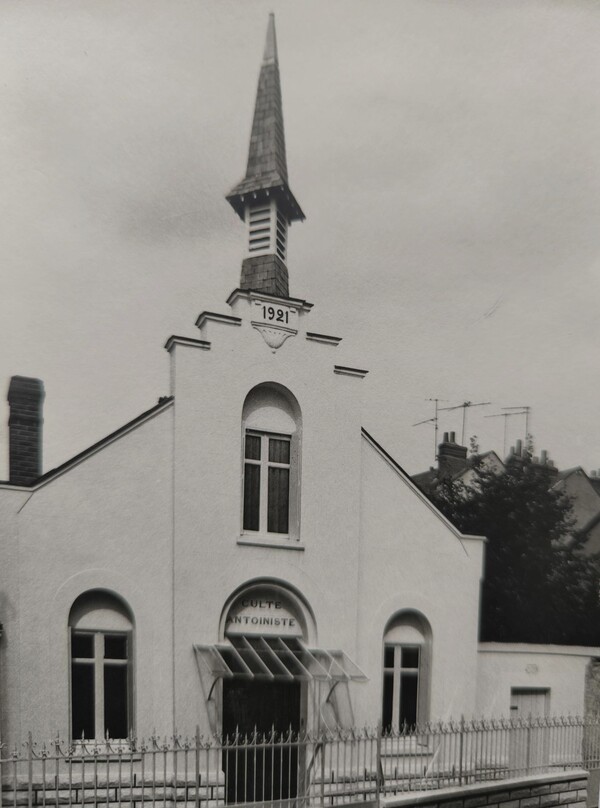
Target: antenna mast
{"type": "Point", "coordinates": [433, 421]}
{"type": "Point", "coordinates": [525, 410]}
{"type": "Point", "coordinates": [506, 416]}
{"type": "Point", "coordinates": [465, 406]}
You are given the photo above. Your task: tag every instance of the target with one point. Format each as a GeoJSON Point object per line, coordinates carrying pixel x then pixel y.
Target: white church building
{"type": "Point", "coordinates": [244, 554]}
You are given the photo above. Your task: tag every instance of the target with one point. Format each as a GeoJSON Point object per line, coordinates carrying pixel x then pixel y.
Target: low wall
{"type": "Point", "coordinates": [561, 670]}
{"type": "Point", "coordinates": [566, 790]}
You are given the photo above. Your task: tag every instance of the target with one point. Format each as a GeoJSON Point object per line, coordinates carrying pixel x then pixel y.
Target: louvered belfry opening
{"type": "Point", "coordinates": [259, 229]}
{"type": "Point", "coordinates": [267, 230]}
{"type": "Point", "coordinates": [281, 235]}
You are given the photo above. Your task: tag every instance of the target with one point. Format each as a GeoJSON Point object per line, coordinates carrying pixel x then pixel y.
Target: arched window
{"type": "Point", "coordinates": [271, 473]}
{"type": "Point", "coordinates": [406, 663]}
{"type": "Point", "coordinates": [101, 647]}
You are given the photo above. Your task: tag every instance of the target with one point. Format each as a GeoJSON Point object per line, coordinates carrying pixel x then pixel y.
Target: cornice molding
{"type": "Point", "coordinates": [194, 343]}
{"type": "Point", "coordinates": [213, 317]}
{"type": "Point", "coordinates": [247, 294]}
{"type": "Point", "coordinates": [341, 370]}
{"type": "Point", "coordinates": [324, 338]}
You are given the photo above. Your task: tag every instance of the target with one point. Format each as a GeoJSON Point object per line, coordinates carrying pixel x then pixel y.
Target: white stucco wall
{"type": "Point", "coordinates": [155, 517]}
{"type": "Point", "coordinates": [371, 545]}
{"type": "Point", "coordinates": [11, 501]}
{"type": "Point", "coordinates": [105, 523]}
{"type": "Point", "coordinates": [411, 559]}
{"type": "Point", "coordinates": [560, 669]}
{"type": "Point", "coordinates": [210, 388]}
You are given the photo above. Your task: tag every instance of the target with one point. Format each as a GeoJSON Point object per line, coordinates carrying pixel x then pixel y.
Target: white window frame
{"type": "Point", "coordinates": [397, 672]}
{"type": "Point", "coordinates": [264, 463]}
{"type": "Point", "coordinates": [98, 662]}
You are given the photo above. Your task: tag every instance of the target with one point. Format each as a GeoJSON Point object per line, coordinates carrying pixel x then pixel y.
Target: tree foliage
{"type": "Point", "coordinates": [537, 586]}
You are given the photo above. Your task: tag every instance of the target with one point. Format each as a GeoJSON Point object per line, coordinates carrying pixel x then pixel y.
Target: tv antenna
{"type": "Point", "coordinates": [506, 416]}
{"type": "Point", "coordinates": [433, 421]}
{"type": "Point", "coordinates": [525, 410]}
{"type": "Point", "coordinates": [465, 406]}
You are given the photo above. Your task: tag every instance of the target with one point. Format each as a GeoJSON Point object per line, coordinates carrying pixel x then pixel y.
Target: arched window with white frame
{"type": "Point", "coordinates": [406, 671]}
{"type": "Point", "coordinates": [271, 426]}
{"type": "Point", "coordinates": [101, 632]}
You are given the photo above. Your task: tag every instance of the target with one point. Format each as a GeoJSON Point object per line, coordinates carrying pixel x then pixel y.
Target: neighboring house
{"type": "Point", "coordinates": [591, 536]}
{"type": "Point", "coordinates": [584, 495]}
{"type": "Point", "coordinates": [454, 464]}
{"type": "Point", "coordinates": [243, 554]}
{"type": "Point", "coordinates": [582, 489]}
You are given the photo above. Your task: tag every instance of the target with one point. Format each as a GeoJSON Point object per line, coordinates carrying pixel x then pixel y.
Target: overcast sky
{"type": "Point", "coordinates": [446, 154]}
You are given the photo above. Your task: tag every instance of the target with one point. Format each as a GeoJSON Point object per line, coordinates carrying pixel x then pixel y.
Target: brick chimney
{"type": "Point", "coordinates": [26, 399]}
{"type": "Point", "coordinates": [452, 457]}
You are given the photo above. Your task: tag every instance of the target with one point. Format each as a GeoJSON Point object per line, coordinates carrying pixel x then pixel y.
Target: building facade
{"type": "Point", "coordinates": [243, 554]}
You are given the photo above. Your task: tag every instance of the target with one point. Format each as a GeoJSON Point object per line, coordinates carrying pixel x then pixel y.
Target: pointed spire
{"type": "Point", "coordinates": [267, 164]}
{"type": "Point", "coordinates": [270, 54]}
{"type": "Point", "coordinates": [263, 199]}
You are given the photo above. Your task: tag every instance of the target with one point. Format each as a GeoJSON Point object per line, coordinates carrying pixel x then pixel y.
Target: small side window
{"type": "Point", "coordinates": [101, 635]}
{"type": "Point", "coordinates": [406, 662]}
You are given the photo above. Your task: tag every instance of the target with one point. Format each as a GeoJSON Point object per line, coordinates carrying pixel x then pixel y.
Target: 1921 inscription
{"type": "Point", "coordinates": [275, 315]}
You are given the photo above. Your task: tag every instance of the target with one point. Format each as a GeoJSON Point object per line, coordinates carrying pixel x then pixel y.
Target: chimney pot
{"type": "Point", "coordinates": [519, 448]}
{"type": "Point", "coordinates": [26, 399]}
{"type": "Point", "coordinates": [452, 458]}
{"type": "Point", "coordinates": [544, 456]}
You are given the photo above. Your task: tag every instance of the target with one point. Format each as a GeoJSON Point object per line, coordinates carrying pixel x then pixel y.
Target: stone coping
{"type": "Point", "coordinates": [441, 794]}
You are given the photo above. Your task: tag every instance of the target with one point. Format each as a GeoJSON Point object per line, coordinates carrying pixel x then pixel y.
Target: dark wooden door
{"type": "Point", "coordinates": [254, 770]}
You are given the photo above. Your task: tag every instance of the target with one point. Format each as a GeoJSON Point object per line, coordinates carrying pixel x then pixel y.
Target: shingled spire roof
{"type": "Point", "coordinates": [266, 172]}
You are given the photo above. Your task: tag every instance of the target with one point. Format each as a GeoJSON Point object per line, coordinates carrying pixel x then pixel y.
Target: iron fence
{"type": "Point", "coordinates": [285, 769]}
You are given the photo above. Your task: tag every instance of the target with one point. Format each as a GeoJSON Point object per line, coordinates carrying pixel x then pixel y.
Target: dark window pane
{"type": "Point", "coordinates": [388, 696]}
{"type": "Point", "coordinates": [251, 496]}
{"type": "Point", "coordinates": [82, 645]}
{"type": "Point", "coordinates": [253, 447]}
{"type": "Point", "coordinates": [115, 646]}
{"type": "Point", "coordinates": [388, 656]}
{"type": "Point", "coordinates": [279, 450]}
{"type": "Point", "coordinates": [279, 496]}
{"type": "Point", "coordinates": [82, 701]}
{"type": "Point", "coordinates": [409, 686]}
{"type": "Point", "coordinates": [115, 701]}
{"type": "Point", "coordinates": [410, 657]}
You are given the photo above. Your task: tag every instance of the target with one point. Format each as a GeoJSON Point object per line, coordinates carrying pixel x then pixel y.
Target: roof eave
{"type": "Point", "coordinates": [243, 192]}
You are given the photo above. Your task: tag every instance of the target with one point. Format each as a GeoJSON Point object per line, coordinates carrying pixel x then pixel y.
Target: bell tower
{"type": "Point", "coordinates": [263, 199]}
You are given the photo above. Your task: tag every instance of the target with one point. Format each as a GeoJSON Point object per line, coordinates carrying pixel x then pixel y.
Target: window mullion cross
{"type": "Point", "coordinates": [99, 685]}
{"type": "Point", "coordinates": [264, 483]}
{"type": "Point", "coordinates": [397, 677]}
{"type": "Point", "coordinates": [266, 509]}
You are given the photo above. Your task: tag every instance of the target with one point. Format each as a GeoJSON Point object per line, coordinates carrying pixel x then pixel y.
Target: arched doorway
{"type": "Point", "coordinates": [256, 682]}
{"type": "Point", "coordinates": [263, 714]}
